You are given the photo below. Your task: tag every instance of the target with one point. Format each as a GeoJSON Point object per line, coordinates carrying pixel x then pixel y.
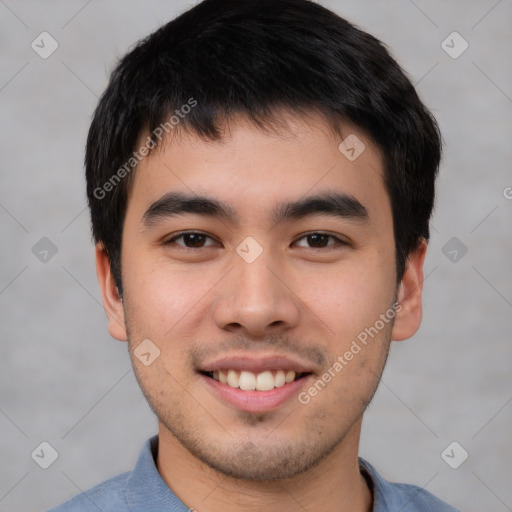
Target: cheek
{"type": "Point", "coordinates": [348, 298]}
{"type": "Point", "coordinates": [163, 297]}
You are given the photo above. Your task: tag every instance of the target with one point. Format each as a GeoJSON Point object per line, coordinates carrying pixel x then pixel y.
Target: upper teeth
{"type": "Point", "coordinates": [264, 381]}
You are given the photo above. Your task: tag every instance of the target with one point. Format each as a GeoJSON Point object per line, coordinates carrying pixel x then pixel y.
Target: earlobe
{"type": "Point", "coordinates": [112, 302]}
{"type": "Point", "coordinates": [409, 296]}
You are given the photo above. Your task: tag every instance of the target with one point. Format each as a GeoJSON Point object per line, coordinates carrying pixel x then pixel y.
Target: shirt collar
{"type": "Point", "coordinates": [146, 490]}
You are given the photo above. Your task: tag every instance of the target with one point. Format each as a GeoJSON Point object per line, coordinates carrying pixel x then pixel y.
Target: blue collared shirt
{"type": "Point", "coordinates": [143, 490]}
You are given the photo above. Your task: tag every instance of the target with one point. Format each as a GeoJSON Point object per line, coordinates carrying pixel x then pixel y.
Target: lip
{"type": "Point", "coordinates": [255, 401]}
{"type": "Point", "coordinates": [256, 365]}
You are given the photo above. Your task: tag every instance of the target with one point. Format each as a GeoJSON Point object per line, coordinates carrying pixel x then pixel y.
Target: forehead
{"type": "Point", "coordinates": [252, 169]}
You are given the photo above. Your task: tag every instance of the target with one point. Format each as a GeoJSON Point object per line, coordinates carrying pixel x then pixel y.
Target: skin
{"type": "Point", "coordinates": [307, 302]}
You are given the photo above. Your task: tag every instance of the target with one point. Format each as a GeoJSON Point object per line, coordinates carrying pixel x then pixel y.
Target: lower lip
{"type": "Point", "coordinates": [255, 401]}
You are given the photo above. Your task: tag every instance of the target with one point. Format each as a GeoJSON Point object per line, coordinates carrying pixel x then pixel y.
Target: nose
{"type": "Point", "coordinates": [255, 300]}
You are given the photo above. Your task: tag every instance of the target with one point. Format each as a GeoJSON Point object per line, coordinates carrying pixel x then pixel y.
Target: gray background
{"type": "Point", "coordinates": [64, 381]}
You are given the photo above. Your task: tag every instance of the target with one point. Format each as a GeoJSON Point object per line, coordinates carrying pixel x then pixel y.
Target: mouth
{"type": "Point", "coordinates": [266, 380]}
{"type": "Point", "coordinates": [255, 385]}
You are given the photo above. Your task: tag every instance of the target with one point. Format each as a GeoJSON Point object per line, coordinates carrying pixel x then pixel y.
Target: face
{"type": "Point", "coordinates": [259, 276]}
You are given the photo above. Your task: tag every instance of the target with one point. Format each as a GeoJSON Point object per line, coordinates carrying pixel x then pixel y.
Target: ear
{"type": "Point", "coordinates": [408, 316]}
{"type": "Point", "coordinates": [112, 302]}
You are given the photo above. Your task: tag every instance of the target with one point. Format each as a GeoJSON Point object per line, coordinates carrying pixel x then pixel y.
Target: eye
{"type": "Point", "coordinates": [318, 241]}
{"type": "Point", "coordinates": [192, 240]}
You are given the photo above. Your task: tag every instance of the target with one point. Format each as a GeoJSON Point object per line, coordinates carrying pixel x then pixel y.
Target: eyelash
{"type": "Point", "coordinates": [338, 241]}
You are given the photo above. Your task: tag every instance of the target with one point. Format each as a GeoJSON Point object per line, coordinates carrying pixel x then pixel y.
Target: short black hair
{"type": "Point", "coordinates": [254, 58]}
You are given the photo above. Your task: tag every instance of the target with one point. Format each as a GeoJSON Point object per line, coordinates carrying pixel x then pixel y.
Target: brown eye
{"type": "Point", "coordinates": [191, 240]}
{"type": "Point", "coordinates": [318, 241]}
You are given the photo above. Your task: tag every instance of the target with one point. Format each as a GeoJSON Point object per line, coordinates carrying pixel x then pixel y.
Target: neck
{"type": "Point", "coordinates": [333, 485]}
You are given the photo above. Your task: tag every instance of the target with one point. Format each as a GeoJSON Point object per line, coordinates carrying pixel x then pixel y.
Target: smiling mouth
{"type": "Point", "coordinates": [249, 381]}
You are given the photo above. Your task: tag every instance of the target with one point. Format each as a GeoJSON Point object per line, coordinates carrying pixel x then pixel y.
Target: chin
{"type": "Point", "coordinates": [267, 460]}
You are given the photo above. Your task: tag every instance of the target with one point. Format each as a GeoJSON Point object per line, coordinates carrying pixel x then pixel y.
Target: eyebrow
{"type": "Point", "coordinates": [344, 206]}
{"type": "Point", "coordinates": [334, 204]}
{"type": "Point", "coordinates": [177, 203]}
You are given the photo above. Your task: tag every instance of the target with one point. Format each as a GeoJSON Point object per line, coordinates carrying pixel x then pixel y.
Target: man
{"type": "Point", "coordinates": [260, 175]}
